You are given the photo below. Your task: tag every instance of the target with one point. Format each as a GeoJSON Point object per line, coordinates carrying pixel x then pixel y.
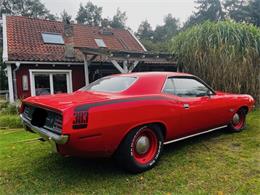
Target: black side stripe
{"type": "Point", "coordinates": [86, 107]}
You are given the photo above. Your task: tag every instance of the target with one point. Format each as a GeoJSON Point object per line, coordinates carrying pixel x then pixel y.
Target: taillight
{"type": "Point", "coordinates": [80, 120]}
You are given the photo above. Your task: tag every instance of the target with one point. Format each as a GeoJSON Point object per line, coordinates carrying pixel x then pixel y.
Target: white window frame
{"type": "Point", "coordinates": [58, 36]}
{"type": "Point", "coordinates": [100, 43]}
{"type": "Point", "coordinates": [50, 73]}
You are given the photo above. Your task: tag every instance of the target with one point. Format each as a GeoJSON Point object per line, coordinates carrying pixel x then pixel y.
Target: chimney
{"type": "Point", "coordinates": [105, 27]}
{"type": "Point", "coordinates": [69, 42]}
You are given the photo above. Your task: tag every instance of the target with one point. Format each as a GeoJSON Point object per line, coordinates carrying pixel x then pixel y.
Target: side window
{"type": "Point", "coordinates": [169, 86]}
{"type": "Point", "coordinates": [186, 87]}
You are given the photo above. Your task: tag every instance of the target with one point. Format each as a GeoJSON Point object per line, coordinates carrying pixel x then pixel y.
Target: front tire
{"type": "Point", "coordinates": [238, 121]}
{"type": "Point", "coordinates": [141, 149]}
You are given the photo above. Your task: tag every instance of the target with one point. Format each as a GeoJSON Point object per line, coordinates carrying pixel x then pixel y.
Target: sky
{"type": "Point", "coordinates": [136, 10]}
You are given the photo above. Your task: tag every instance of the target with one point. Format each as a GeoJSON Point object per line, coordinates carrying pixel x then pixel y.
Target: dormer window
{"type": "Point", "coordinates": [100, 43]}
{"type": "Point", "coordinates": [53, 38]}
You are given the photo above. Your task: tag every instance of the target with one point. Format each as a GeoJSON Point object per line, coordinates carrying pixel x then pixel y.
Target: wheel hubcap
{"type": "Point", "coordinates": [145, 146]}
{"type": "Point", "coordinates": [236, 119]}
{"type": "Point", "coordinates": [142, 145]}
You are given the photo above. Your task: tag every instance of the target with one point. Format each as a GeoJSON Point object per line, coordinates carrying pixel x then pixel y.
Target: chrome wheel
{"type": "Point", "coordinates": [236, 119]}
{"type": "Point", "coordinates": [145, 146]}
{"type": "Point", "coordinates": [142, 144]}
{"type": "Point", "coordinates": [141, 148]}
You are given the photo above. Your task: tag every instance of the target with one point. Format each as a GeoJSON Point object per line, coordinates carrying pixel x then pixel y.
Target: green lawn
{"type": "Point", "coordinates": [215, 163]}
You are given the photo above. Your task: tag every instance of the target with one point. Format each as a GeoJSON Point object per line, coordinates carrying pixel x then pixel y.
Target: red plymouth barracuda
{"type": "Point", "coordinates": [131, 116]}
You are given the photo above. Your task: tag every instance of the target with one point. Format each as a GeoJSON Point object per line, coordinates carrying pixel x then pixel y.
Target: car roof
{"type": "Point", "coordinates": [154, 74]}
{"type": "Point", "coordinates": [148, 82]}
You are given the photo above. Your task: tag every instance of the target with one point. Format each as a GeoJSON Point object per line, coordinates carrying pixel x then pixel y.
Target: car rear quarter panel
{"type": "Point", "coordinates": [108, 125]}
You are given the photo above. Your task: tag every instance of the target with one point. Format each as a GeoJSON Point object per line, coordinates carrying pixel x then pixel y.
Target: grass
{"type": "Point", "coordinates": [216, 163]}
{"type": "Point", "coordinates": [9, 116]}
{"type": "Point", "coordinates": [10, 121]}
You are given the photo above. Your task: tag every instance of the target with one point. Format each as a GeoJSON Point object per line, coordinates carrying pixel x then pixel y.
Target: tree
{"type": "Point", "coordinates": [30, 8]}
{"type": "Point", "coordinates": [65, 17]}
{"type": "Point", "coordinates": [233, 9]}
{"type": "Point", "coordinates": [89, 14]}
{"type": "Point", "coordinates": [105, 22]}
{"type": "Point", "coordinates": [145, 31]}
{"type": "Point", "coordinates": [167, 30]}
{"type": "Point", "coordinates": [254, 12]}
{"type": "Point", "coordinates": [119, 19]}
{"type": "Point", "coordinates": [157, 40]}
{"type": "Point", "coordinates": [211, 10]}
{"type": "Point", "coordinates": [216, 10]}
{"type": "Point", "coordinates": [243, 11]}
{"type": "Point", "coordinates": [155, 46]}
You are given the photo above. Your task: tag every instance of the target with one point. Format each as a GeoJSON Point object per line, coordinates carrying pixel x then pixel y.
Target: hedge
{"type": "Point", "coordinates": [225, 54]}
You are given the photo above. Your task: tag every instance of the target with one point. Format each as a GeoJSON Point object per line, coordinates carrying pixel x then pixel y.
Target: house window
{"type": "Point", "coordinates": [60, 83]}
{"type": "Point", "coordinates": [54, 38]}
{"type": "Point", "coordinates": [44, 82]}
{"type": "Point", "coordinates": [25, 82]}
{"type": "Point", "coordinates": [100, 43]}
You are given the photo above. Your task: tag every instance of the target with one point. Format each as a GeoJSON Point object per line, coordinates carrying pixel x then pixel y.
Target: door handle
{"type": "Point", "coordinates": [186, 106]}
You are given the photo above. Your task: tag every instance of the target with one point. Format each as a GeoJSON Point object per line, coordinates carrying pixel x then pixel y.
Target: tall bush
{"type": "Point", "coordinates": [225, 54]}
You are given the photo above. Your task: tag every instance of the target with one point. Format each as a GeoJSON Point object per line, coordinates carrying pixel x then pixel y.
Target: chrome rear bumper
{"type": "Point", "coordinates": [45, 134]}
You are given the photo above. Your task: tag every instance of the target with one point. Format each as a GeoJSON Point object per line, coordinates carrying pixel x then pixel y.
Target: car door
{"type": "Point", "coordinates": [200, 110]}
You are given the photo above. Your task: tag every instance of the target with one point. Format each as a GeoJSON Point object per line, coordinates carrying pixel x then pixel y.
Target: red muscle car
{"type": "Point", "coordinates": [131, 116]}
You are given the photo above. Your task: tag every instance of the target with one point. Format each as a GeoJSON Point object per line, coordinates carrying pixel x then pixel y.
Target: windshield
{"type": "Point", "coordinates": [110, 84]}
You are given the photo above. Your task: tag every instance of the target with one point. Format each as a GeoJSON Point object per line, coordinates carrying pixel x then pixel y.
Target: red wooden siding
{"type": "Point", "coordinates": [78, 78]}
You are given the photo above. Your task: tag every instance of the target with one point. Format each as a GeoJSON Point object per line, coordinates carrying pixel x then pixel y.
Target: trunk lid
{"type": "Point", "coordinates": [64, 101]}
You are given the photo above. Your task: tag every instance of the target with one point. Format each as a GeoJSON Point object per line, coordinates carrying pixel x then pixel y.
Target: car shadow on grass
{"type": "Point", "coordinates": [75, 167]}
{"type": "Point", "coordinates": [78, 166]}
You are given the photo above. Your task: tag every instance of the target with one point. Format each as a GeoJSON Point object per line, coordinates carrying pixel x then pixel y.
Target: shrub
{"type": "Point", "coordinates": [10, 121]}
{"type": "Point", "coordinates": [8, 109]}
{"type": "Point", "coordinates": [3, 104]}
{"type": "Point", "coordinates": [225, 54]}
{"type": "Point", "coordinates": [9, 115]}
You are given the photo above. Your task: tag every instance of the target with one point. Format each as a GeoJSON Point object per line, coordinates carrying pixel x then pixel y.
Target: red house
{"type": "Point", "coordinates": [43, 56]}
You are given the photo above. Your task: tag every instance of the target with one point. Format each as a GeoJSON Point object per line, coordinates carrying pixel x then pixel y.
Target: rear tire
{"type": "Point", "coordinates": [141, 148]}
{"type": "Point", "coordinates": [238, 121]}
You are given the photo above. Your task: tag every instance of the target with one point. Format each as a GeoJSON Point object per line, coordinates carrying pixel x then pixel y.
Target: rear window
{"type": "Point", "coordinates": [110, 84]}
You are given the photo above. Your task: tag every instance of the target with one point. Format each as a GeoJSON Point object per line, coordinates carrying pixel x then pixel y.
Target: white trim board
{"type": "Point", "coordinates": [137, 40]}
{"type": "Point", "coordinates": [86, 71]}
{"type": "Point", "coordinates": [50, 72]}
{"type": "Point", "coordinates": [49, 63]}
{"type": "Point", "coordinates": [5, 46]}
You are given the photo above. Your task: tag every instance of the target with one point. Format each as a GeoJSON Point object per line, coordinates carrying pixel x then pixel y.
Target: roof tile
{"type": "Point", "coordinates": [25, 42]}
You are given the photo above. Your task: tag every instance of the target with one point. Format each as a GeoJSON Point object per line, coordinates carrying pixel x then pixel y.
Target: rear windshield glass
{"type": "Point", "coordinates": [110, 84]}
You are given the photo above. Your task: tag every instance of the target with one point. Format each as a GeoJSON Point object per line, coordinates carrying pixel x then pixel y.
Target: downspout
{"type": "Point", "coordinates": [17, 64]}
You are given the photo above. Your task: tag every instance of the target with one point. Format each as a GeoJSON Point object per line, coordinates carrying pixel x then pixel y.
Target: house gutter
{"type": "Point", "coordinates": [17, 64]}
{"type": "Point", "coordinates": [5, 47]}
